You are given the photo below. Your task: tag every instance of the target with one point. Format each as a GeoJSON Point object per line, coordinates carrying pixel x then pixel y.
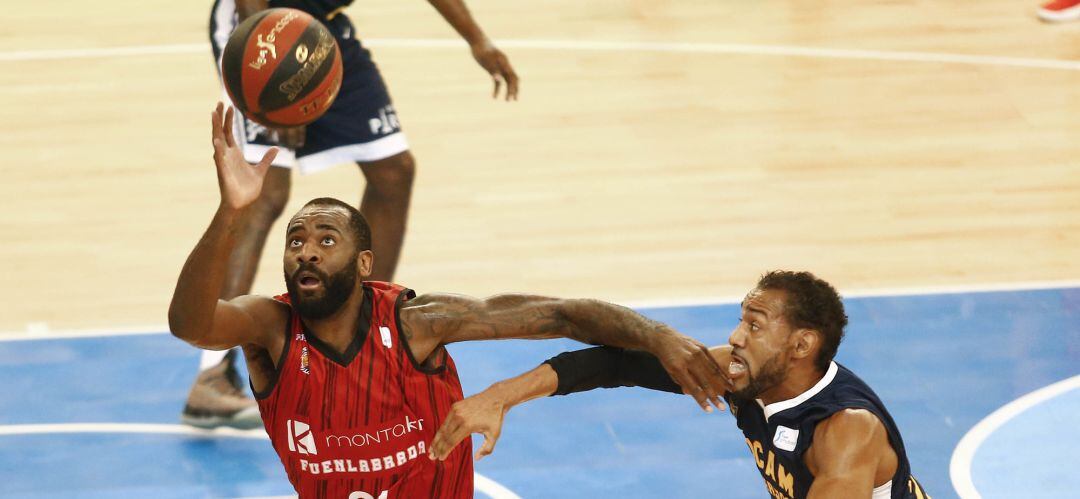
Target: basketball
{"type": "Point", "coordinates": [281, 68]}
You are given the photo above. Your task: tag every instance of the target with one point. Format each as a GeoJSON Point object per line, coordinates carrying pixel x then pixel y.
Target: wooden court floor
{"type": "Point", "coordinates": [660, 149]}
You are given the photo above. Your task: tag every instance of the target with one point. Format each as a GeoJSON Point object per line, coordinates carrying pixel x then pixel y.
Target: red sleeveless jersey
{"type": "Point", "coordinates": [358, 425]}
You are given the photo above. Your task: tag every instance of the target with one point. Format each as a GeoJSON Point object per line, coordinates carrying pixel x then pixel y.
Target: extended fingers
{"type": "Point", "coordinates": [709, 377]}
{"type": "Point", "coordinates": [267, 160]}
{"type": "Point", "coordinates": [443, 442]}
{"type": "Point", "coordinates": [227, 128]}
{"type": "Point", "coordinates": [215, 121]}
{"type": "Point", "coordinates": [454, 429]}
{"type": "Point", "coordinates": [489, 445]}
{"type": "Point", "coordinates": [511, 78]}
{"type": "Point", "coordinates": [691, 387]}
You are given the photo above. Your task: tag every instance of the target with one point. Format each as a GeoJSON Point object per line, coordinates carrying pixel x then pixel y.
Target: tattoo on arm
{"type": "Point", "coordinates": [451, 318]}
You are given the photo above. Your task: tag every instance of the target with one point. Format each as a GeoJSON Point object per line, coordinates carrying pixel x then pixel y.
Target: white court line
{"type": "Point", "coordinates": [587, 45]}
{"type": "Point", "coordinates": [482, 483]}
{"type": "Point", "coordinates": [871, 293]}
{"type": "Point", "coordinates": [960, 464]}
{"type": "Point", "coordinates": [40, 332]}
{"type": "Point", "coordinates": [173, 429]}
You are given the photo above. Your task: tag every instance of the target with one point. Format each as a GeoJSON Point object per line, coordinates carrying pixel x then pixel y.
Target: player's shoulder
{"type": "Point", "coordinates": [851, 426]}
{"type": "Point", "coordinates": [264, 309]}
{"type": "Point", "coordinates": [853, 417]}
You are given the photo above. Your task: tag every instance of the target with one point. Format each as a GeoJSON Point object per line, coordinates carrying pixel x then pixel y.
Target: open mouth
{"type": "Point", "coordinates": [308, 281]}
{"type": "Point", "coordinates": [737, 368]}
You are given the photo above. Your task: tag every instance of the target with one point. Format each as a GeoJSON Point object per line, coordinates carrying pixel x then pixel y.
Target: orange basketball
{"type": "Point", "coordinates": [282, 68]}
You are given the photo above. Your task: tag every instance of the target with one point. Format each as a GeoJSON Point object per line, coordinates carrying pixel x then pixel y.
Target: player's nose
{"type": "Point", "coordinates": [737, 338]}
{"type": "Point", "coordinates": [307, 254]}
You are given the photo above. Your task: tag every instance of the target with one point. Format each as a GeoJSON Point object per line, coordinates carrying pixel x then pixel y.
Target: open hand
{"type": "Point", "coordinates": [240, 182]}
{"type": "Point", "coordinates": [694, 369]}
{"type": "Point", "coordinates": [476, 414]}
{"type": "Point", "coordinates": [498, 66]}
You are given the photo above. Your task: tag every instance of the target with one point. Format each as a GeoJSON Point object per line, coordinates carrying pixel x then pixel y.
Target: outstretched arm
{"type": "Point", "coordinates": [566, 373]}
{"type": "Point", "coordinates": [483, 413]}
{"type": "Point", "coordinates": [195, 314]}
{"type": "Point", "coordinates": [490, 58]}
{"type": "Point", "coordinates": [435, 319]}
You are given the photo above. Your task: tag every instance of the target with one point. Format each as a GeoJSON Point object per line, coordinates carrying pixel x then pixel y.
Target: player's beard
{"type": "Point", "coordinates": [771, 374]}
{"type": "Point", "coordinates": [337, 289]}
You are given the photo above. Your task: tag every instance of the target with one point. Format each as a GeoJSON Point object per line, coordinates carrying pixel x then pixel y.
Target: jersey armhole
{"type": "Point", "coordinates": [408, 294]}
{"type": "Point", "coordinates": [278, 366]}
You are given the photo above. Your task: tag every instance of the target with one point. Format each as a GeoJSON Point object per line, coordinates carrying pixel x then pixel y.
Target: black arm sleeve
{"type": "Point", "coordinates": [607, 367]}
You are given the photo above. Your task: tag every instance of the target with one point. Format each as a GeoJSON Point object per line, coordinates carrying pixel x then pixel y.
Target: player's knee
{"type": "Point", "coordinates": [270, 205]}
{"type": "Point", "coordinates": [395, 173]}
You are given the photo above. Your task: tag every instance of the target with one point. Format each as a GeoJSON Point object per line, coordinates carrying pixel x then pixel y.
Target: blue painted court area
{"type": "Point", "coordinates": [940, 362]}
{"type": "Point", "coordinates": [1047, 429]}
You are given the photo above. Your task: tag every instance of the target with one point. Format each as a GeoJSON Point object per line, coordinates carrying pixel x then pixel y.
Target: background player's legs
{"type": "Point", "coordinates": [218, 397]}
{"type": "Point", "coordinates": [257, 221]}
{"type": "Point", "coordinates": [385, 205]}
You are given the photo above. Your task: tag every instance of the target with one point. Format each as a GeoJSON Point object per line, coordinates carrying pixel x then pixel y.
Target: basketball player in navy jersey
{"type": "Point", "coordinates": [361, 127]}
{"type": "Point", "coordinates": [814, 429]}
{"type": "Point", "coordinates": [351, 376]}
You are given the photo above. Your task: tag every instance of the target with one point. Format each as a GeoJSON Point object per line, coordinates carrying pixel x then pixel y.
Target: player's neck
{"type": "Point", "coordinates": [799, 379]}
{"type": "Point", "coordinates": [339, 328]}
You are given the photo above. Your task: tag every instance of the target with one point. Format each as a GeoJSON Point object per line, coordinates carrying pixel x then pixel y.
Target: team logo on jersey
{"type": "Point", "coordinates": [300, 438]}
{"type": "Point", "coordinates": [785, 438]}
{"type": "Point", "coordinates": [385, 123]}
{"type": "Point", "coordinates": [391, 446]}
{"type": "Point", "coordinates": [386, 337]}
{"type": "Point", "coordinates": [304, 367]}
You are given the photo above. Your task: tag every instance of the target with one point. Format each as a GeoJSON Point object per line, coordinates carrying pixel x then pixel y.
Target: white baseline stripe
{"type": "Point", "coordinates": [643, 304]}
{"type": "Point", "coordinates": [960, 465]}
{"type": "Point", "coordinates": [483, 484]}
{"type": "Point", "coordinates": [597, 45]}
{"type": "Point", "coordinates": [492, 488]}
{"type": "Point", "coordinates": [174, 429]}
{"type": "Point", "coordinates": [105, 52]}
{"type": "Point", "coordinates": [873, 292]}
{"type": "Point", "coordinates": [81, 333]}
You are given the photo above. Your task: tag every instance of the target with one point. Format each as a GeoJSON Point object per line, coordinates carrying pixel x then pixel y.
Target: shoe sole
{"type": "Point", "coordinates": [1060, 16]}
{"type": "Point", "coordinates": [246, 419]}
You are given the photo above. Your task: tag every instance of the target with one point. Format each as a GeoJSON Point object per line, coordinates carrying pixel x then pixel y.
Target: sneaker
{"type": "Point", "coordinates": [219, 398]}
{"type": "Point", "coordinates": [1057, 11]}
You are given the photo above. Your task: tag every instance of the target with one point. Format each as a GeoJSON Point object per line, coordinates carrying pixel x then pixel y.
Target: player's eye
{"type": "Point", "coordinates": [294, 243]}
{"type": "Point", "coordinates": [328, 241]}
{"type": "Point", "coordinates": [754, 326]}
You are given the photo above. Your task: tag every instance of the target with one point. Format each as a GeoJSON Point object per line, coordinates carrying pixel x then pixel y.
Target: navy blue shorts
{"type": "Point", "coordinates": [360, 126]}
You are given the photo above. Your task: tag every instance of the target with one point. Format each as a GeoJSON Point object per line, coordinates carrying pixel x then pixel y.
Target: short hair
{"type": "Point", "coordinates": [358, 225]}
{"type": "Point", "coordinates": [811, 303]}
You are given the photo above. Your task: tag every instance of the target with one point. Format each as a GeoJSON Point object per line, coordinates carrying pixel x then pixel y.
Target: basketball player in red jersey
{"type": "Point", "coordinates": [352, 377]}
{"type": "Point", "coordinates": [361, 127]}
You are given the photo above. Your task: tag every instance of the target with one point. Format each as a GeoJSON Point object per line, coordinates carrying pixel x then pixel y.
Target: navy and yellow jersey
{"type": "Point", "coordinates": [330, 12]}
{"type": "Point", "coordinates": [778, 435]}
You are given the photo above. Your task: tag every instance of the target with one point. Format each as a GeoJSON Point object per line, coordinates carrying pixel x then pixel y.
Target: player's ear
{"type": "Point", "coordinates": [364, 261]}
{"type": "Point", "coordinates": [806, 342]}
